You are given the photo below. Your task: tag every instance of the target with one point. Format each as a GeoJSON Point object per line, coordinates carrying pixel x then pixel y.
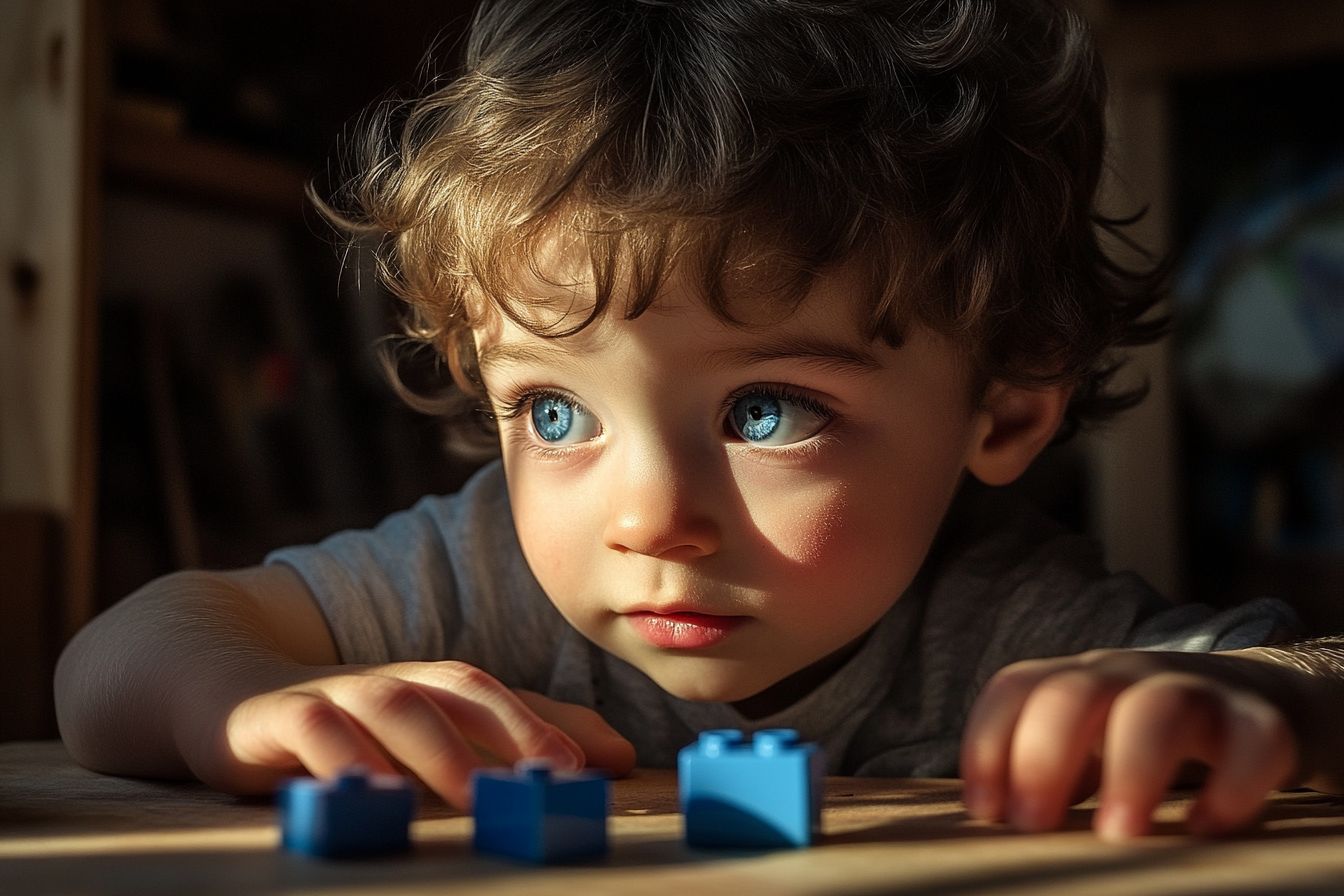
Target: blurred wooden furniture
{"type": "Point", "coordinates": [48, 165]}
{"type": "Point", "coordinates": [67, 830]}
{"type": "Point", "coordinates": [30, 543]}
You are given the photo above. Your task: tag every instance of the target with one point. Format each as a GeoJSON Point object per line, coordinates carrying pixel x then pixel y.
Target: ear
{"type": "Point", "coordinates": [1015, 425]}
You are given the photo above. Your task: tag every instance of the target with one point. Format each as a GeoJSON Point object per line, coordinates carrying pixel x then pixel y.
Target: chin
{"type": "Point", "coordinates": [715, 684]}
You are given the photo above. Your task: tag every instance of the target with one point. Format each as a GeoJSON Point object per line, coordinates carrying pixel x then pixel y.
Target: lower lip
{"type": "Point", "coordinates": [684, 631]}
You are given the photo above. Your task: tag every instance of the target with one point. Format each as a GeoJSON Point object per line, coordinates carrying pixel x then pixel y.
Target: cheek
{"type": "Point", "coordinates": [549, 523]}
{"type": "Point", "coordinates": [863, 525]}
{"type": "Point", "coordinates": [812, 535]}
{"type": "Point", "coordinates": [805, 524]}
{"type": "Point", "coordinates": [542, 542]}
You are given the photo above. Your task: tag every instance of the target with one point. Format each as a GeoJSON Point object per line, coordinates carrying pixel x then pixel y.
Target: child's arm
{"type": "Point", "coordinates": [1044, 732]}
{"type": "Point", "coordinates": [234, 678]}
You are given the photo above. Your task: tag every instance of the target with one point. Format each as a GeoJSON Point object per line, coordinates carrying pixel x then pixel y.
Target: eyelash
{"type": "Point", "coordinates": [521, 402]}
{"type": "Point", "coordinates": [518, 405]}
{"type": "Point", "coordinates": [807, 402]}
{"type": "Point", "coordinates": [789, 453]}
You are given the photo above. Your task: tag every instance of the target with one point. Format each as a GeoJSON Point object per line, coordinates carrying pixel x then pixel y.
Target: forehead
{"type": "Point", "coordinates": [562, 280]}
{"type": "Point", "coordinates": [571, 303]}
{"type": "Point", "coordinates": [679, 336]}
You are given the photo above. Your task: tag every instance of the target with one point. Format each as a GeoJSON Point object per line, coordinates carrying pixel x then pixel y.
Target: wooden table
{"type": "Point", "coordinates": [64, 830]}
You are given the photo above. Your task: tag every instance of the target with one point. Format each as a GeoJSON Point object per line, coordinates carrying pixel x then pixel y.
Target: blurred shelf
{"type": "Point", "coordinates": [188, 166]}
{"type": "Point", "coordinates": [1198, 36]}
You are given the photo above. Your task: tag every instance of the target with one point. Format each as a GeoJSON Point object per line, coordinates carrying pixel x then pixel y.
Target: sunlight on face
{"type": "Point", "coordinates": [719, 505]}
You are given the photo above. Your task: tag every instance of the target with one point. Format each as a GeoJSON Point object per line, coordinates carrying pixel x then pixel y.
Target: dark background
{"type": "Point", "coordinates": [193, 474]}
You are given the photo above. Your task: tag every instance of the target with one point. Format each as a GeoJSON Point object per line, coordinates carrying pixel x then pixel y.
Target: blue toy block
{"type": "Point", "coordinates": [357, 814]}
{"type": "Point", "coordinates": [765, 794]}
{"type": "Point", "coordinates": [536, 815]}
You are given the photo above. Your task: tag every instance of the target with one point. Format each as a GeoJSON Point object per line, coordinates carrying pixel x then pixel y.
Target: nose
{"type": "Point", "coordinates": [662, 506]}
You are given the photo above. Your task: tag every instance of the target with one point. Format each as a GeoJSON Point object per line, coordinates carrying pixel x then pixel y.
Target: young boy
{"type": "Point", "coordinates": [752, 290]}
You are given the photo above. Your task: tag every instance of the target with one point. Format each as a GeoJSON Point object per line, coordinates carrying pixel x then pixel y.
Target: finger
{"type": "Point", "coordinates": [603, 747]}
{"type": "Point", "coordinates": [1155, 726]}
{"type": "Point", "coordinates": [986, 743]}
{"type": "Point", "coordinates": [285, 731]}
{"type": "Point", "coordinates": [1059, 731]}
{"type": "Point", "coordinates": [413, 728]}
{"type": "Point", "coordinates": [490, 714]}
{"type": "Point", "coordinates": [1259, 754]}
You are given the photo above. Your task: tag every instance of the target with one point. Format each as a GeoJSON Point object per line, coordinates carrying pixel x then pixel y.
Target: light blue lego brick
{"type": "Point", "coordinates": [536, 815]}
{"type": "Point", "coordinates": [356, 814]}
{"type": "Point", "coordinates": [762, 794]}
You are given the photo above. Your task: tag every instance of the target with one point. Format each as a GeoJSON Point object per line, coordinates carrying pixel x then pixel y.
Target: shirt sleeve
{"type": "Point", "coordinates": [1015, 585]}
{"type": "Point", "coordinates": [443, 580]}
{"type": "Point", "coordinates": [1200, 629]}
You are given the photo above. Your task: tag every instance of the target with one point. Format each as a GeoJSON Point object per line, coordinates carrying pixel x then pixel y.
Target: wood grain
{"type": "Point", "coordinates": [66, 830]}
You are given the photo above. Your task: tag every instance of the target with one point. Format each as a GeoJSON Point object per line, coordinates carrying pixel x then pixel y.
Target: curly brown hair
{"type": "Point", "coordinates": [953, 148]}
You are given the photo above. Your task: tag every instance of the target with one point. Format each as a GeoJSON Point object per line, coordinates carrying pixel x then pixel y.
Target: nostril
{"type": "Point", "coordinates": [666, 536]}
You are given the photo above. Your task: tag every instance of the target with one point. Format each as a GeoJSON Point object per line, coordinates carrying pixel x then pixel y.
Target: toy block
{"type": "Point", "coordinates": [356, 814]}
{"type": "Point", "coordinates": [762, 794]}
{"type": "Point", "coordinates": [537, 815]}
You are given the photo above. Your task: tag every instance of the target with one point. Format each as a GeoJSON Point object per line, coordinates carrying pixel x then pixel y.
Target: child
{"type": "Point", "coordinates": [752, 289]}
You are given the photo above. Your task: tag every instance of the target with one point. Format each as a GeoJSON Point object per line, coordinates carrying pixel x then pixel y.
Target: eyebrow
{"type": "Point", "coordinates": [838, 356]}
{"type": "Point", "coordinates": [507, 352]}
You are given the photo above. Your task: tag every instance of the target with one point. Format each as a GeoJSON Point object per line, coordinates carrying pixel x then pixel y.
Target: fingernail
{"type": "Point", "coordinates": [979, 801]}
{"type": "Point", "coordinates": [1025, 813]}
{"type": "Point", "coordinates": [1116, 824]}
{"type": "Point", "coordinates": [564, 756]}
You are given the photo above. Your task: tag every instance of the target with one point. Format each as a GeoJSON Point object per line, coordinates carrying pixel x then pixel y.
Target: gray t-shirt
{"type": "Point", "coordinates": [447, 580]}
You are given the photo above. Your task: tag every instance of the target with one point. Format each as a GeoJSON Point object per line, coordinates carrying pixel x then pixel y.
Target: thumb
{"type": "Point", "coordinates": [602, 746]}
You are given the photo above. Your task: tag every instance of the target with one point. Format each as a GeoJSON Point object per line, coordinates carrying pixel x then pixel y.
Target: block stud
{"type": "Point", "coordinates": [719, 741]}
{"type": "Point", "coordinates": [773, 741]}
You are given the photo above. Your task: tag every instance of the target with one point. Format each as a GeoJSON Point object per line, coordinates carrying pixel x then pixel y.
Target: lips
{"type": "Point", "coordinates": [683, 631]}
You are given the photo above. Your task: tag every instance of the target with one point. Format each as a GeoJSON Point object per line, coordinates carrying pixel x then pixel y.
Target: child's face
{"type": "Point", "coordinates": [723, 506]}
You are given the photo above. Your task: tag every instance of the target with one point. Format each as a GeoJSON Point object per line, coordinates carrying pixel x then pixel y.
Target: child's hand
{"type": "Point", "coordinates": [432, 719]}
{"type": "Point", "coordinates": [1043, 732]}
{"type": "Point", "coordinates": [234, 678]}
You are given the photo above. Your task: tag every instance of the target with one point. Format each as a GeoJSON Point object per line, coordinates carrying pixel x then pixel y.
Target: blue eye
{"type": "Point", "coordinates": [559, 421]}
{"type": "Point", "coordinates": [766, 418]}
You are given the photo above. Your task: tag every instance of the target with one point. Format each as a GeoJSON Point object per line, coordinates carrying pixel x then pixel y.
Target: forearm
{"type": "Point", "coordinates": [234, 678]}
{"type": "Point", "coordinates": [1306, 681]}
{"type": "Point", "coordinates": [146, 688]}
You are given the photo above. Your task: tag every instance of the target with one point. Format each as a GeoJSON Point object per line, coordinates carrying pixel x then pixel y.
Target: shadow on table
{"type": "Point", "coordinates": [929, 846]}
{"type": "Point", "coordinates": [649, 867]}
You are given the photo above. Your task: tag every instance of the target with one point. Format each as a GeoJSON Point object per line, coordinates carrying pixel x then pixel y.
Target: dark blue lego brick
{"type": "Point", "coordinates": [765, 793]}
{"type": "Point", "coordinates": [356, 814]}
{"type": "Point", "coordinates": [540, 816]}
